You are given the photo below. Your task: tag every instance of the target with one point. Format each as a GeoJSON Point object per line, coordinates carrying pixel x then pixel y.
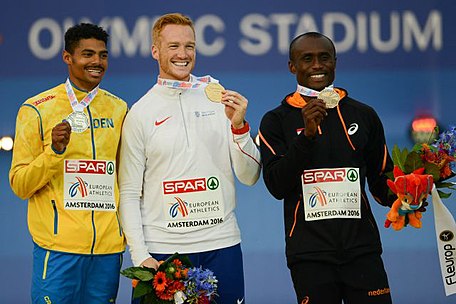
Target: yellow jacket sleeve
{"type": "Point", "coordinates": [34, 163]}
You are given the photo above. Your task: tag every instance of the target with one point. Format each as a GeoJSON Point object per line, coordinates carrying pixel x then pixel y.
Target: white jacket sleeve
{"type": "Point", "coordinates": [245, 158]}
{"type": "Point", "coordinates": [131, 171]}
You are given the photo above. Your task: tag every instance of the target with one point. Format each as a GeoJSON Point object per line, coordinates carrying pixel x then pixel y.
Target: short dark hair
{"type": "Point", "coordinates": [309, 34]}
{"type": "Point", "coordinates": [83, 31]}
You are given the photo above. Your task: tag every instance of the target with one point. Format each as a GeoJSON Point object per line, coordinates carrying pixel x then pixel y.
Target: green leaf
{"type": "Point", "coordinates": [186, 261]}
{"type": "Point", "coordinates": [448, 185]}
{"type": "Point", "coordinates": [139, 273]}
{"type": "Point", "coordinates": [129, 272]}
{"type": "Point", "coordinates": [142, 289]}
{"type": "Point", "coordinates": [443, 194]}
{"type": "Point", "coordinates": [413, 161]}
{"type": "Point", "coordinates": [417, 148]}
{"type": "Point", "coordinates": [432, 169]}
{"type": "Point", "coordinates": [399, 156]}
{"type": "Point", "coordinates": [152, 298]}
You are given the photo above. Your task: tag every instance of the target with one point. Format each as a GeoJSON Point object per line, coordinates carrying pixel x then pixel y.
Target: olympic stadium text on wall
{"type": "Point", "coordinates": [260, 34]}
{"type": "Point", "coordinates": [253, 39]}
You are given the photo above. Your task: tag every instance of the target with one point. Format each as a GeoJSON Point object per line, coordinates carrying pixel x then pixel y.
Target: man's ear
{"type": "Point", "coordinates": [155, 52]}
{"type": "Point", "coordinates": [66, 57]}
{"type": "Point", "coordinates": [291, 67]}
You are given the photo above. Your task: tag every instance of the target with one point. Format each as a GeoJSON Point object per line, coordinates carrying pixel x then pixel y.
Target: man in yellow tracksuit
{"type": "Point", "coordinates": [64, 163]}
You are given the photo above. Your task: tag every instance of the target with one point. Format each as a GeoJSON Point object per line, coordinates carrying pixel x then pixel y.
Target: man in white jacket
{"type": "Point", "coordinates": [181, 143]}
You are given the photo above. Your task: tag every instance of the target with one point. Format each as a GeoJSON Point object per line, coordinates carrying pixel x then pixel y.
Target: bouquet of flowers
{"type": "Point", "coordinates": [175, 281]}
{"type": "Point", "coordinates": [437, 159]}
{"type": "Point", "coordinates": [415, 172]}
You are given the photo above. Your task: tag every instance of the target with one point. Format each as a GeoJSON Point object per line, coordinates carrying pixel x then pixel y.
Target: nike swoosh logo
{"type": "Point", "coordinates": [240, 301]}
{"type": "Point", "coordinates": [159, 122]}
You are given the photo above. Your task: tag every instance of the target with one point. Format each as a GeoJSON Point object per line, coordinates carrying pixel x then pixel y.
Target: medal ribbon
{"type": "Point", "coordinates": [194, 83]}
{"type": "Point", "coordinates": [310, 92]}
{"type": "Point", "coordinates": [79, 106]}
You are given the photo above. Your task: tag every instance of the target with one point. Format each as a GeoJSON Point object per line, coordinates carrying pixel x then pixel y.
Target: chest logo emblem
{"type": "Point", "coordinates": [159, 122]}
{"type": "Point", "coordinates": [352, 129]}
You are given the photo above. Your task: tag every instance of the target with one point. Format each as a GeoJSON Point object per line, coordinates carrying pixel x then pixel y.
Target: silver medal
{"type": "Point", "coordinates": [78, 121]}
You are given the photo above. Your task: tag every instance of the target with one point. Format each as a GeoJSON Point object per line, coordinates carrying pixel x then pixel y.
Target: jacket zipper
{"type": "Point", "coordinates": [94, 232]}
{"type": "Point", "coordinates": [56, 216]}
{"type": "Point", "coordinates": [94, 156]}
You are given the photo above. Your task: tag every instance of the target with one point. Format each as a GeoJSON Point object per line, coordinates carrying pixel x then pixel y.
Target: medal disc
{"type": "Point", "coordinates": [78, 122]}
{"type": "Point", "coordinates": [214, 91]}
{"type": "Point", "coordinates": [330, 97]}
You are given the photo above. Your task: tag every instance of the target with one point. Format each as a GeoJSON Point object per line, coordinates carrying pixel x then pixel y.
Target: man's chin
{"type": "Point", "coordinates": [321, 86]}
{"type": "Point", "coordinates": [182, 76]}
{"type": "Point", "coordinates": [95, 78]}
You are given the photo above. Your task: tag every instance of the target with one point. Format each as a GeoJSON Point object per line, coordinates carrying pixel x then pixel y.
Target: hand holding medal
{"type": "Point", "coordinates": [61, 136]}
{"type": "Point", "coordinates": [235, 103]}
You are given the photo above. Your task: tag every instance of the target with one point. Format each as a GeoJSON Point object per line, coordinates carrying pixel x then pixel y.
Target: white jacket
{"type": "Point", "coordinates": [177, 190]}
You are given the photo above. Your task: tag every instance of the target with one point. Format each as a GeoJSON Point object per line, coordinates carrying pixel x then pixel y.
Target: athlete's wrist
{"type": "Point", "coordinates": [241, 130]}
{"type": "Point", "coordinates": [58, 151]}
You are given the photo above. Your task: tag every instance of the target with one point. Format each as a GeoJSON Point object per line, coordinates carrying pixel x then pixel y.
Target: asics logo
{"type": "Point", "coordinates": [306, 300]}
{"type": "Point", "coordinates": [240, 301]}
{"type": "Point", "coordinates": [352, 129]}
{"type": "Point", "coordinates": [159, 122]}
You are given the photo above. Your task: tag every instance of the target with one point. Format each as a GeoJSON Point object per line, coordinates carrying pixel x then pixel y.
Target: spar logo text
{"type": "Point", "coordinates": [89, 166]}
{"type": "Point", "coordinates": [326, 175]}
{"type": "Point", "coordinates": [190, 185]}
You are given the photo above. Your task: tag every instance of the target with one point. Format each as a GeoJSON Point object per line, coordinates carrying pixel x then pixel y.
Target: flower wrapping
{"type": "Point", "coordinates": [175, 281]}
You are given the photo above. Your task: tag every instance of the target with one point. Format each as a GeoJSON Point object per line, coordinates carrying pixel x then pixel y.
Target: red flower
{"type": "Point", "coordinates": [178, 285]}
{"type": "Point", "coordinates": [439, 158]}
{"type": "Point", "coordinates": [160, 281]}
{"type": "Point", "coordinates": [177, 262]}
{"type": "Point", "coordinates": [181, 273]}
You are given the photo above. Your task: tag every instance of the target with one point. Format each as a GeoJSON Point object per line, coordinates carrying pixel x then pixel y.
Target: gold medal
{"type": "Point", "coordinates": [214, 91]}
{"type": "Point", "coordinates": [330, 97]}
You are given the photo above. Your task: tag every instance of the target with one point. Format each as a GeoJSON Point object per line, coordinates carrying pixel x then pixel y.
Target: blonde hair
{"type": "Point", "coordinates": [172, 18]}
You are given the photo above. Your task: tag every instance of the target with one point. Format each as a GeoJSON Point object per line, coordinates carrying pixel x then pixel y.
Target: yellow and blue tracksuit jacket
{"type": "Point", "coordinates": [36, 171]}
